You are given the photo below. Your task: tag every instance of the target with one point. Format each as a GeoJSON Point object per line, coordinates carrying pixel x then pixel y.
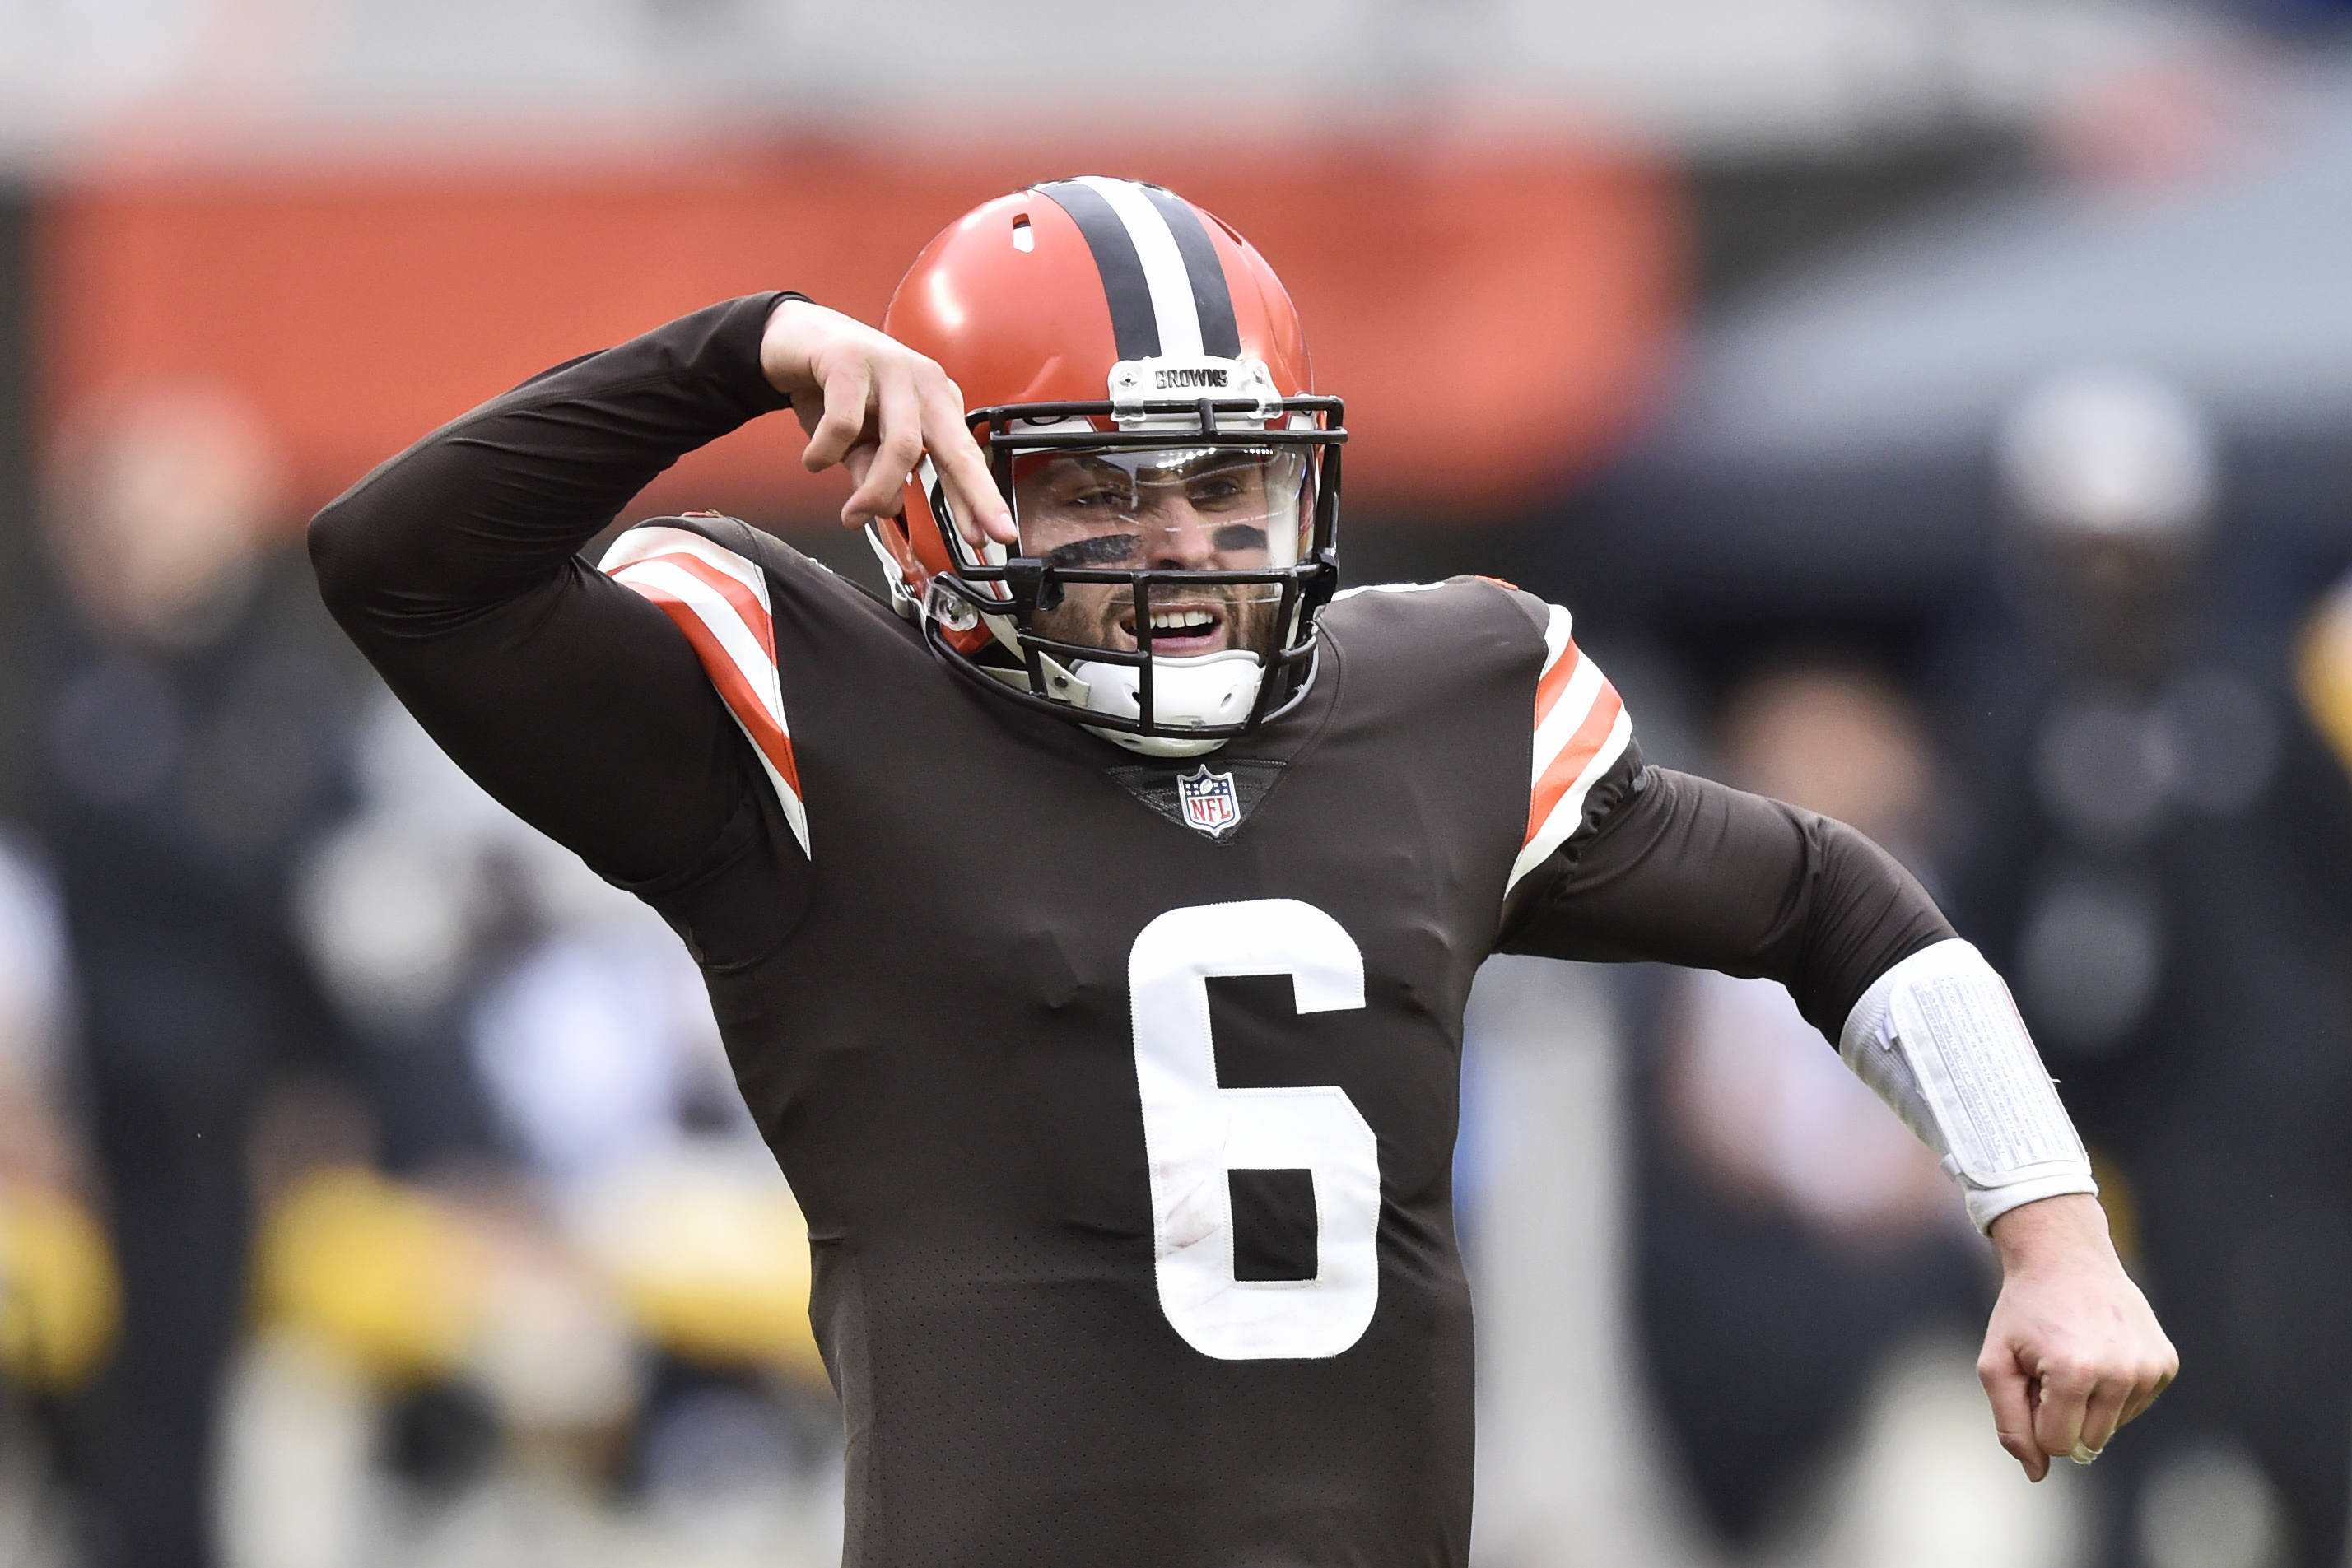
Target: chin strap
{"type": "Point", "coordinates": [1937, 1038]}
{"type": "Point", "coordinates": [1213, 689]}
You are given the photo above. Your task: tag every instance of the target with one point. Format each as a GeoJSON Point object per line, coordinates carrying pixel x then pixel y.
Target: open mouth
{"type": "Point", "coordinates": [1180, 630]}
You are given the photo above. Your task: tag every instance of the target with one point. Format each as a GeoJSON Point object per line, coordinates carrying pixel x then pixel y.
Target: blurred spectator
{"type": "Point", "coordinates": [1765, 1118]}
{"type": "Point", "coordinates": [38, 1144]}
{"type": "Point", "coordinates": [2163, 862]}
{"type": "Point", "coordinates": [190, 748]}
{"type": "Point", "coordinates": [608, 1078]}
{"type": "Point", "coordinates": [58, 1293]}
{"type": "Point", "coordinates": [1793, 1231]}
{"type": "Point", "coordinates": [582, 1312]}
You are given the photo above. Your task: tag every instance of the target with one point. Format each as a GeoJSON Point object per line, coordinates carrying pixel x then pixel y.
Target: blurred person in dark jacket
{"type": "Point", "coordinates": [2163, 864]}
{"type": "Point", "coordinates": [191, 751]}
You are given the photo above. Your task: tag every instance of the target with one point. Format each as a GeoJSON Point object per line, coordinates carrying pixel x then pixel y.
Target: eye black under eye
{"type": "Point", "coordinates": [1237, 536]}
{"type": "Point", "coordinates": [1097, 551]}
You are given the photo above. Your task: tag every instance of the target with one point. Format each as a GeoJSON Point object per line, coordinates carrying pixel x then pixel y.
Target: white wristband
{"type": "Point", "coordinates": [1937, 1038]}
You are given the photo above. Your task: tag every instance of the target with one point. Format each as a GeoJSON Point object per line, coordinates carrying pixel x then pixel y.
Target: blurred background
{"type": "Point", "coordinates": [1938, 413]}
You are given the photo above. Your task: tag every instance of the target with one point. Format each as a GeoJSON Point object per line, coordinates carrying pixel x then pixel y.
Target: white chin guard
{"type": "Point", "coordinates": [1937, 1038]}
{"type": "Point", "coordinates": [1215, 688]}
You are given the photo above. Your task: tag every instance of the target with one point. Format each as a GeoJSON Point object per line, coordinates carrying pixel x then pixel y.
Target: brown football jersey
{"type": "Point", "coordinates": [1120, 1094]}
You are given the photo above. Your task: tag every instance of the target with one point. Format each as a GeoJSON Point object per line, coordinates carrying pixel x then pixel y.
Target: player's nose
{"type": "Point", "coordinates": [1181, 540]}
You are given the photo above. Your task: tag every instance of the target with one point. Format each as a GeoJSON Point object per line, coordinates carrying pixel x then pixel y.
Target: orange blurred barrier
{"type": "Point", "coordinates": [1497, 313]}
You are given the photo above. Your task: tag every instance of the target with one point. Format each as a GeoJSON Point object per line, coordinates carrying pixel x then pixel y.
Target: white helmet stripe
{"type": "Point", "coordinates": [1163, 264]}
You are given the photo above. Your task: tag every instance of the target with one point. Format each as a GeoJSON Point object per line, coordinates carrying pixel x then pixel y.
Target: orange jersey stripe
{"type": "Point", "coordinates": [1555, 681]}
{"type": "Point", "coordinates": [1560, 776]}
{"type": "Point", "coordinates": [773, 742]}
{"type": "Point", "coordinates": [746, 603]}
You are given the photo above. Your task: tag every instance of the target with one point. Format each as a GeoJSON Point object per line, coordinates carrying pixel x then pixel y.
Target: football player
{"type": "Point", "coordinates": [1090, 924]}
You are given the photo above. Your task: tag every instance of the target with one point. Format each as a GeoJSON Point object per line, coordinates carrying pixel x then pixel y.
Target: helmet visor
{"type": "Point", "coordinates": [1200, 508]}
{"type": "Point", "coordinates": [1100, 515]}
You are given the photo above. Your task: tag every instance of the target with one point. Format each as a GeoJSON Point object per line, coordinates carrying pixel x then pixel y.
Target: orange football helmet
{"type": "Point", "coordinates": [1137, 375]}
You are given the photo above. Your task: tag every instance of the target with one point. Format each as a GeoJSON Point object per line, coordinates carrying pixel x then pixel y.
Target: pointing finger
{"type": "Point", "coordinates": [847, 391]}
{"type": "Point", "coordinates": [899, 443]}
{"type": "Point", "coordinates": [979, 506]}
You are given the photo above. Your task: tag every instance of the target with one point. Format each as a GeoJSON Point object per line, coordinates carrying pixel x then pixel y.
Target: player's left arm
{"type": "Point", "coordinates": [1668, 867]}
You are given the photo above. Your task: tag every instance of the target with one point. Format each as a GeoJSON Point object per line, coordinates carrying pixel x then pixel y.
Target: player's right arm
{"type": "Point", "coordinates": [454, 566]}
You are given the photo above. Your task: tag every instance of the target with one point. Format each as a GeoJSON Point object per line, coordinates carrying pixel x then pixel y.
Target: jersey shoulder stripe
{"type": "Point", "coordinates": [1363, 588]}
{"type": "Point", "coordinates": [719, 600]}
{"type": "Point", "coordinates": [1580, 730]}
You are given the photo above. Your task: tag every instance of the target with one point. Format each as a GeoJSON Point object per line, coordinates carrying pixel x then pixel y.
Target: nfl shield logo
{"type": "Point", "coordinates": [1210, 803]}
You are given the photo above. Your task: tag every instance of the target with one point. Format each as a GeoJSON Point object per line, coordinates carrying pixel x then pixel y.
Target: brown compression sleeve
{"type": "Point", "coordinates": [1685, 871]}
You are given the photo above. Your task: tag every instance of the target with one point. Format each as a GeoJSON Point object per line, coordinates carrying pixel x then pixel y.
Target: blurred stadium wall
{"type": "Point", "coordinates": [1495, 309]}
{"type": "Point", "coordinates": [365, 217]}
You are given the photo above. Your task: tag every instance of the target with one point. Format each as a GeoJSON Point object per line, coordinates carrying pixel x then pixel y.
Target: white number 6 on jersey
{"type": "Point", "coordinates": [1195, 1133]}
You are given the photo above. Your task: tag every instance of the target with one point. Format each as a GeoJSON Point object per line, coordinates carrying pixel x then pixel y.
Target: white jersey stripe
{"type": "Point", "coordinates": [1163, 265]}
{"type": "Point", "coordinates": [1556, 636]}
{"type": "Point", "coordinates": [795, 811]}
{"type": "Point", "coordinates": [1582, 728]}
{"type": "Point", "coordinates": [1568, 812]}
{"type": "Point", "coordinates": [733, 636]}
{"type": "Point", "coordinates": [725, 622]}
{"type": "Point", "coordinates": [1566, 717]}
{"type": "Point", "coordinates": [1348, 593]}
{"type": "Point", "coordinates": [640, 544]}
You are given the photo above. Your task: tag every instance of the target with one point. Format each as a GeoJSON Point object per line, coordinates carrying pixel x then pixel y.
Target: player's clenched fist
{"type": "Point", "coordinates": [2073, 1351]}
{"type": "Point", "coordinates": [876, 406]}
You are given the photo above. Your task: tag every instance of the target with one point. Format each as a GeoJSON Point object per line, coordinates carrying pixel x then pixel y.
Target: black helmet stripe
{"type": "Point", "coordinates": [1167, 291]}
{"type": "Point", "coordinates": [1132, 320]}
{"type": "Point", "coordinates": [1212, 299]}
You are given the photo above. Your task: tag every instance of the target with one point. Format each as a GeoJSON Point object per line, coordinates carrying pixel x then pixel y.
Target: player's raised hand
{"type": "Point", "coordinates": [2073, 1351]}
{"type": "Point", "coordinates": [876, 406]}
